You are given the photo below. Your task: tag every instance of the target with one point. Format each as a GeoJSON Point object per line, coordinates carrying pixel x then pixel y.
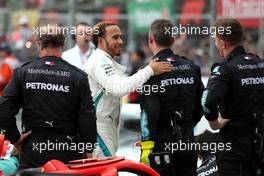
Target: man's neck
{"type": "Point", "coordinates": [51, 52]}
{"type": "Point", "coordinates": [230, 49]}
{"type": "Point", "coordinates": [158, 49]}
{"type": "Point", "coordinates": [83, 48]}
{"type": "Point", "coordinates": [106, 51]}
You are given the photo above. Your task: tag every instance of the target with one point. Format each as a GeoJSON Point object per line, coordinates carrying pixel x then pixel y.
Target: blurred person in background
{"type": "Point", "coordinates": [199, 57]}
{"type": "Point", "coordinates": [248, 44]}
{"type": "Point", "coordinates": [184, 47]}
{"type": "Point", "coordinates": [23, 41]}
{"type": "Point", "coordinates": [170, 108]}
{"type": "Point", "coordinates": [109, 83]}
{"type": "Point", "coordinates": [137, 60]}
{"type": "Point", "coordinates": [3, 37]}
{"type": "Point", "coordinates": [83, 48]}
{"type": "Point", "coordinates": [6, 54]}
{"type": "Point", "coordinates": [57, 106]}
{"type": "Point", "coordinates": [5, 69]}
{"type": "Point", "coordinates": [234, 102]}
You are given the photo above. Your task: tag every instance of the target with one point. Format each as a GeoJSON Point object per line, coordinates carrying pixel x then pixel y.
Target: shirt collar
{"type": "Point", "coordinates": [105, 53]}
{"type": "Point", "coordinates": [89, 52]}
{"type": "Point", "coordinates": [51, 57]}
{"type": "Point", "coordinates": [163, 53]}
{"type": "Point", "coordinates": [117, 65]}
{"type": "Point", "coordinates": [237, 51]}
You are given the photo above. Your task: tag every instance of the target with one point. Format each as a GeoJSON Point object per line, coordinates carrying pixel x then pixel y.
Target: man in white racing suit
{"type": "Point", "coordinates": [108, 84]}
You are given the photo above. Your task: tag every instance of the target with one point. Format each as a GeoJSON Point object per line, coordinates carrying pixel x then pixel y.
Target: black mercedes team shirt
{"type": "Point", "coordinates": [235, 87]}
{"type": "Point", "coordinates": [176, 93]}
{"type": "Point", "coordinates": [236, 90]}
{"type": "Point", "coordinates": [55, 97]}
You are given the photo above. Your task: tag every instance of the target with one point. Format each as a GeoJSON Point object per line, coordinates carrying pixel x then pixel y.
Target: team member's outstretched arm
{"type": "Point", "coordinates": [118, 86]}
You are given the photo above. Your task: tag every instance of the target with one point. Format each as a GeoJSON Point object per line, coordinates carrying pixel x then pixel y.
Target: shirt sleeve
{"type": "Point", "coordinates": [216, 90]}
{"type": "Point", "coordinates": [10, 104]}
{"type": "Point", "coordinates": [87, 117]}
{"type": "Point", "coordinates": [198, 109]}
{"type": "Point", "coordinates": [107, 76]}
{"type": "Point", "coordinates": [150, 110]}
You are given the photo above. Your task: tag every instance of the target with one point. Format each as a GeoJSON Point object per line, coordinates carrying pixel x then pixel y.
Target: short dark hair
{"type": "Point", "coordinates": [82, 24]}
{"type": "Point", "coordinates": [99, 30]}
{"type": "Point", "coordinates": [159, 29]}
{"type": "Point", "coordinates": [235, 35]}
{"type": "Point", "coordinates": [52, 36]}
{"type": "Point", "coordinates": [73, 36]}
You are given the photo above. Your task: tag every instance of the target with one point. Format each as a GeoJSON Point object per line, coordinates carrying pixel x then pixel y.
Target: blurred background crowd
{"type": "Point", "coordinates": [17, 19]}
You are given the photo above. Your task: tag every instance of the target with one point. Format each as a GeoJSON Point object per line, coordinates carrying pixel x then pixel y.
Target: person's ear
{"type": "Point", "coordinates": [39, 48]}
{"type": "Point", "coordinates": [37, 42]}
{"type": "Point", "coordinates": [100, 41]}
{"type": "Point", "coordinates": [222, 44]}
{"type": "Point", "coordinates": [61, 48]}
{"type": "Point", "coordinates": [151, 39]}
{"type": "Point", "coordinates": [38, 45]}
{"type": "Point", "coordinates": [172, 40]}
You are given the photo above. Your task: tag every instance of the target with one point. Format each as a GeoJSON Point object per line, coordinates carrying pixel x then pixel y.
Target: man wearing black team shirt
{"type": "Point", "coordinates": [57, 106]}
{"type": "Point", "coordinates": [172, 107]}
{"type": "Point", "coordinates": [234, 101]}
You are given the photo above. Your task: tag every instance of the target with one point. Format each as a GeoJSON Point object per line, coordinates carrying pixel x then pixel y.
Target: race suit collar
{"type": "Point", "coordinates": [105, 53]}
{"type": "Point", "coordinates": [47, 56]}
{"type": "Point", "coordinates": [117, 65]}
{"type": "Point", "coordinates": [163, 53]}
{"type": "Point", "coordinates": [237, 51]}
